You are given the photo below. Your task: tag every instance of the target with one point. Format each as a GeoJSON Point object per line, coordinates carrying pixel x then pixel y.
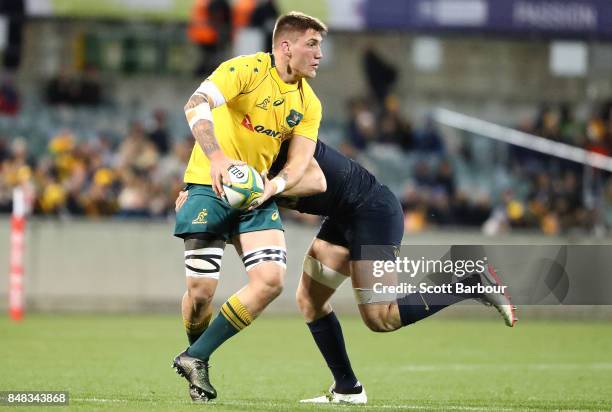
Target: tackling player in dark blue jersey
{"type": "Point", "coordinates": [363, 222]}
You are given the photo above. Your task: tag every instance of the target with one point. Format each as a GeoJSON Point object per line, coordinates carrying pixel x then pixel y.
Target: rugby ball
{"type": "Point", "coordinates": [247, 186]}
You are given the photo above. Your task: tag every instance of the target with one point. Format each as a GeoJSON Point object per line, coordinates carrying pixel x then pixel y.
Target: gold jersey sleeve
{"type": "Point", "coordinates": [261, 111]}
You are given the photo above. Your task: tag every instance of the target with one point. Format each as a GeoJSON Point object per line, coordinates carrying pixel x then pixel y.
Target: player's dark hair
{"type": "Point", "coordinates": [294, 21]}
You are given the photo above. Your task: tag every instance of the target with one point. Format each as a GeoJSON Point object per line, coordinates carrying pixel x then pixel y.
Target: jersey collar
{"type": "Point", "coordinates": [284, 87]}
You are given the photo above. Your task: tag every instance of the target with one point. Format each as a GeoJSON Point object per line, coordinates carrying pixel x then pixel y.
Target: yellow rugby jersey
{"type": "Point", "coordinates": [261, 111]}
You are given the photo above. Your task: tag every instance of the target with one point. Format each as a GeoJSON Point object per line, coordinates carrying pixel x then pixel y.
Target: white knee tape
{"type": "Point", "coordinates": [364, 296]}
{"type": "Point", "coordinates": [203, 263]}
{"type": "Point", "coordinates": [323, 274]}
{"type": "Point", "coordinates": [272, 254]}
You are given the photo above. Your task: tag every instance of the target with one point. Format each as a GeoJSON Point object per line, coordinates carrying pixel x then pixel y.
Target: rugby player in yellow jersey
{"type": "Point", "coordinates": [242, 113]}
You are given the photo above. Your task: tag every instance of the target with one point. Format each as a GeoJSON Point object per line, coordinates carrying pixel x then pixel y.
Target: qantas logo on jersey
{"type": "Point", "coordinates": [246, 122]}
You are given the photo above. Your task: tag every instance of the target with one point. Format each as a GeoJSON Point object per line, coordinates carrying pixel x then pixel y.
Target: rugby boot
{"type": "Point", "coordinates": [196, 372]}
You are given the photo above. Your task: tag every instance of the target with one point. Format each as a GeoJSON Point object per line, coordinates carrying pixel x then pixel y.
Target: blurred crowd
{"type": "Point", "coordinates": [139, 176]}
{"type": "Point", "coordinates": [558, 195]}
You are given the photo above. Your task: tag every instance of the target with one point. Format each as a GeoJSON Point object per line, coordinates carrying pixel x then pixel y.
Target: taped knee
{"type": "Point", "coordinates": [323, 274]}
{"type": "Point", "coordinates": [203, 263]}
{"type": "Point", "coordinates": [365, 296]}
{"type": "Point", "coordinates": [272, 254]}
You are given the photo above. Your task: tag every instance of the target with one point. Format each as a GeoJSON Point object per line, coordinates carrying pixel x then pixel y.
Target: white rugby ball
{"type": "Point", "coordinates": [246, 186]}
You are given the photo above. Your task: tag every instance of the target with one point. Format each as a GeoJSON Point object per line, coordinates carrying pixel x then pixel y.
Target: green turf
{"type": "Point", "coordinates": [122, 363]}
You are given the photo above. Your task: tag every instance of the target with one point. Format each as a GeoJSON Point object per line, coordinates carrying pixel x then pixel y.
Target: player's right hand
{"type": "Point", "coordinates": [219, 166]}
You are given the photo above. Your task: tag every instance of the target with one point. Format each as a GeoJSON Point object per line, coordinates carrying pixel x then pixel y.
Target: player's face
{"type": "Point", "coordinates": [306, 54]}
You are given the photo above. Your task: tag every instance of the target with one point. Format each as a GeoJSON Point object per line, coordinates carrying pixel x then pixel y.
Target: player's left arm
{"type": "Point", "coordinates": [312, 182]}
{"type": "Point", "coordinates": [301, 150]}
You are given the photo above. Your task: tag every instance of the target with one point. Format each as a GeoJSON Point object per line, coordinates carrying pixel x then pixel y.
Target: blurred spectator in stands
{"type": "Point", "coordinates": [540, 197]}
{"type": "Point", "coordinates": [429, 139]}
{"type": "Point", "coordinates": [69, 89]}
{"type": "Point", "coordinates": [89, 91]}
{"type": "Point", "coordinates": [422, 175]}
{"type": "Point", "coordinates": [242, 13]}
{"type": "Point", "coordinates": [361, 127]}
{"type": "Point", "coordinates": [596, 136]}
{"type": "Point", "coordinates": [159, 135]}
{"type": "Point", "coordinates": [172, 167]}
{"type": "Point", "coordinates": [264, 17]}
{"type": "Point", "coordinates": [547, 124]}
{"type": "Point", "coordinates": [394, 129]}
{"type": "Point", "coordinates": [19, 154]}
{"type": "Point", "coordinates": [567, 203]}
{"type": "Point", "coordinates": [510, 213]}
{"type": "Point", "coordinates": [572, 132]}
{"type": "Point", "coordinates": [380, 75]}
{"type": "Point", "coordinates": [5, 186]}
{"type": "Point", "coordinates": [133, 197]}
{"type": "Point", "coordinates": [136, 150]}
{"type": "Point", "coordinates": [210, 28]}
{"type": "Point", "coordinates": [100, 199]}
{"type": "Point", "coordinates": [445, 178]}
{"type": "Point", "coordinates": [52, 200]}
{"type": "Point", "coordinates": [4, 150]}
{"type": "Point", "coordinates": [9, 97]}
{"type": "Point", "coordinates": [415, 209]}
{"type": "Point", "coordinates": [62, 89]}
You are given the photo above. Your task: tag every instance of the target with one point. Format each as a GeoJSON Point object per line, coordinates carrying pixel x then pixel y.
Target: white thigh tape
{"type": "Point", "coordinates": [272, 254]}
{"type": "Point", "coordinates": [203, 263]}
{"type": "Point", "coordinates": [323, 274]}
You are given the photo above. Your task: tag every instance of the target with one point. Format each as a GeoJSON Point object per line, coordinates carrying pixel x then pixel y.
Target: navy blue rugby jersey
{"type": "Point", "coordinates": [349, 184]}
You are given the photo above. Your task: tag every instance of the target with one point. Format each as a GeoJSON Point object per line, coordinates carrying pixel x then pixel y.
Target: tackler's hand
{"type": "Point", "coordinates": [180, 200]}
{"type": "Point", "coordinates": [269, 191]}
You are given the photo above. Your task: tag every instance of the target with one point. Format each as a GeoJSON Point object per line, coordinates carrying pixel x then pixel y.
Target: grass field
{"type": "Point", "coordinates": [122, 363]}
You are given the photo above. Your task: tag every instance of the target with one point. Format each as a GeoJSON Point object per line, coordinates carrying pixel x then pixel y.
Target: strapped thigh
{"type": "Point", "coordinates": [322, 274]}
{"type": "Point", "coordinates": [274, 254]}
{"type": "Point", "coordinates": [202, 258]}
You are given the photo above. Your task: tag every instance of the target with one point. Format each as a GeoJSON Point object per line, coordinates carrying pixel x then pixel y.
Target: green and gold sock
{"type": "Point", "coordinates": [232, 318]}
{"type": "Point", "coordinates": [195, 330]}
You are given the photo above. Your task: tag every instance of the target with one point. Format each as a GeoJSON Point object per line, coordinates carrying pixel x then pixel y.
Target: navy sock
{"type": "Point", "coordinates": [327, 334]}
{"type": "Point", "coordinates": [418, 306]}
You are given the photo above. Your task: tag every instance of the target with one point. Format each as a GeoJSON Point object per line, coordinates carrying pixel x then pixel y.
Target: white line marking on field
{"type": "Point", "coordinates": [100, 400]}
{"type": "Point", "coordinates": [502, 367]}
{"type": "Point", "coordinates": [398, 407]}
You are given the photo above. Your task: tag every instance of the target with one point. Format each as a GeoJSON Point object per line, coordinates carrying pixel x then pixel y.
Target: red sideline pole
{"type": "Point", "coordinates": [18, 222]}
